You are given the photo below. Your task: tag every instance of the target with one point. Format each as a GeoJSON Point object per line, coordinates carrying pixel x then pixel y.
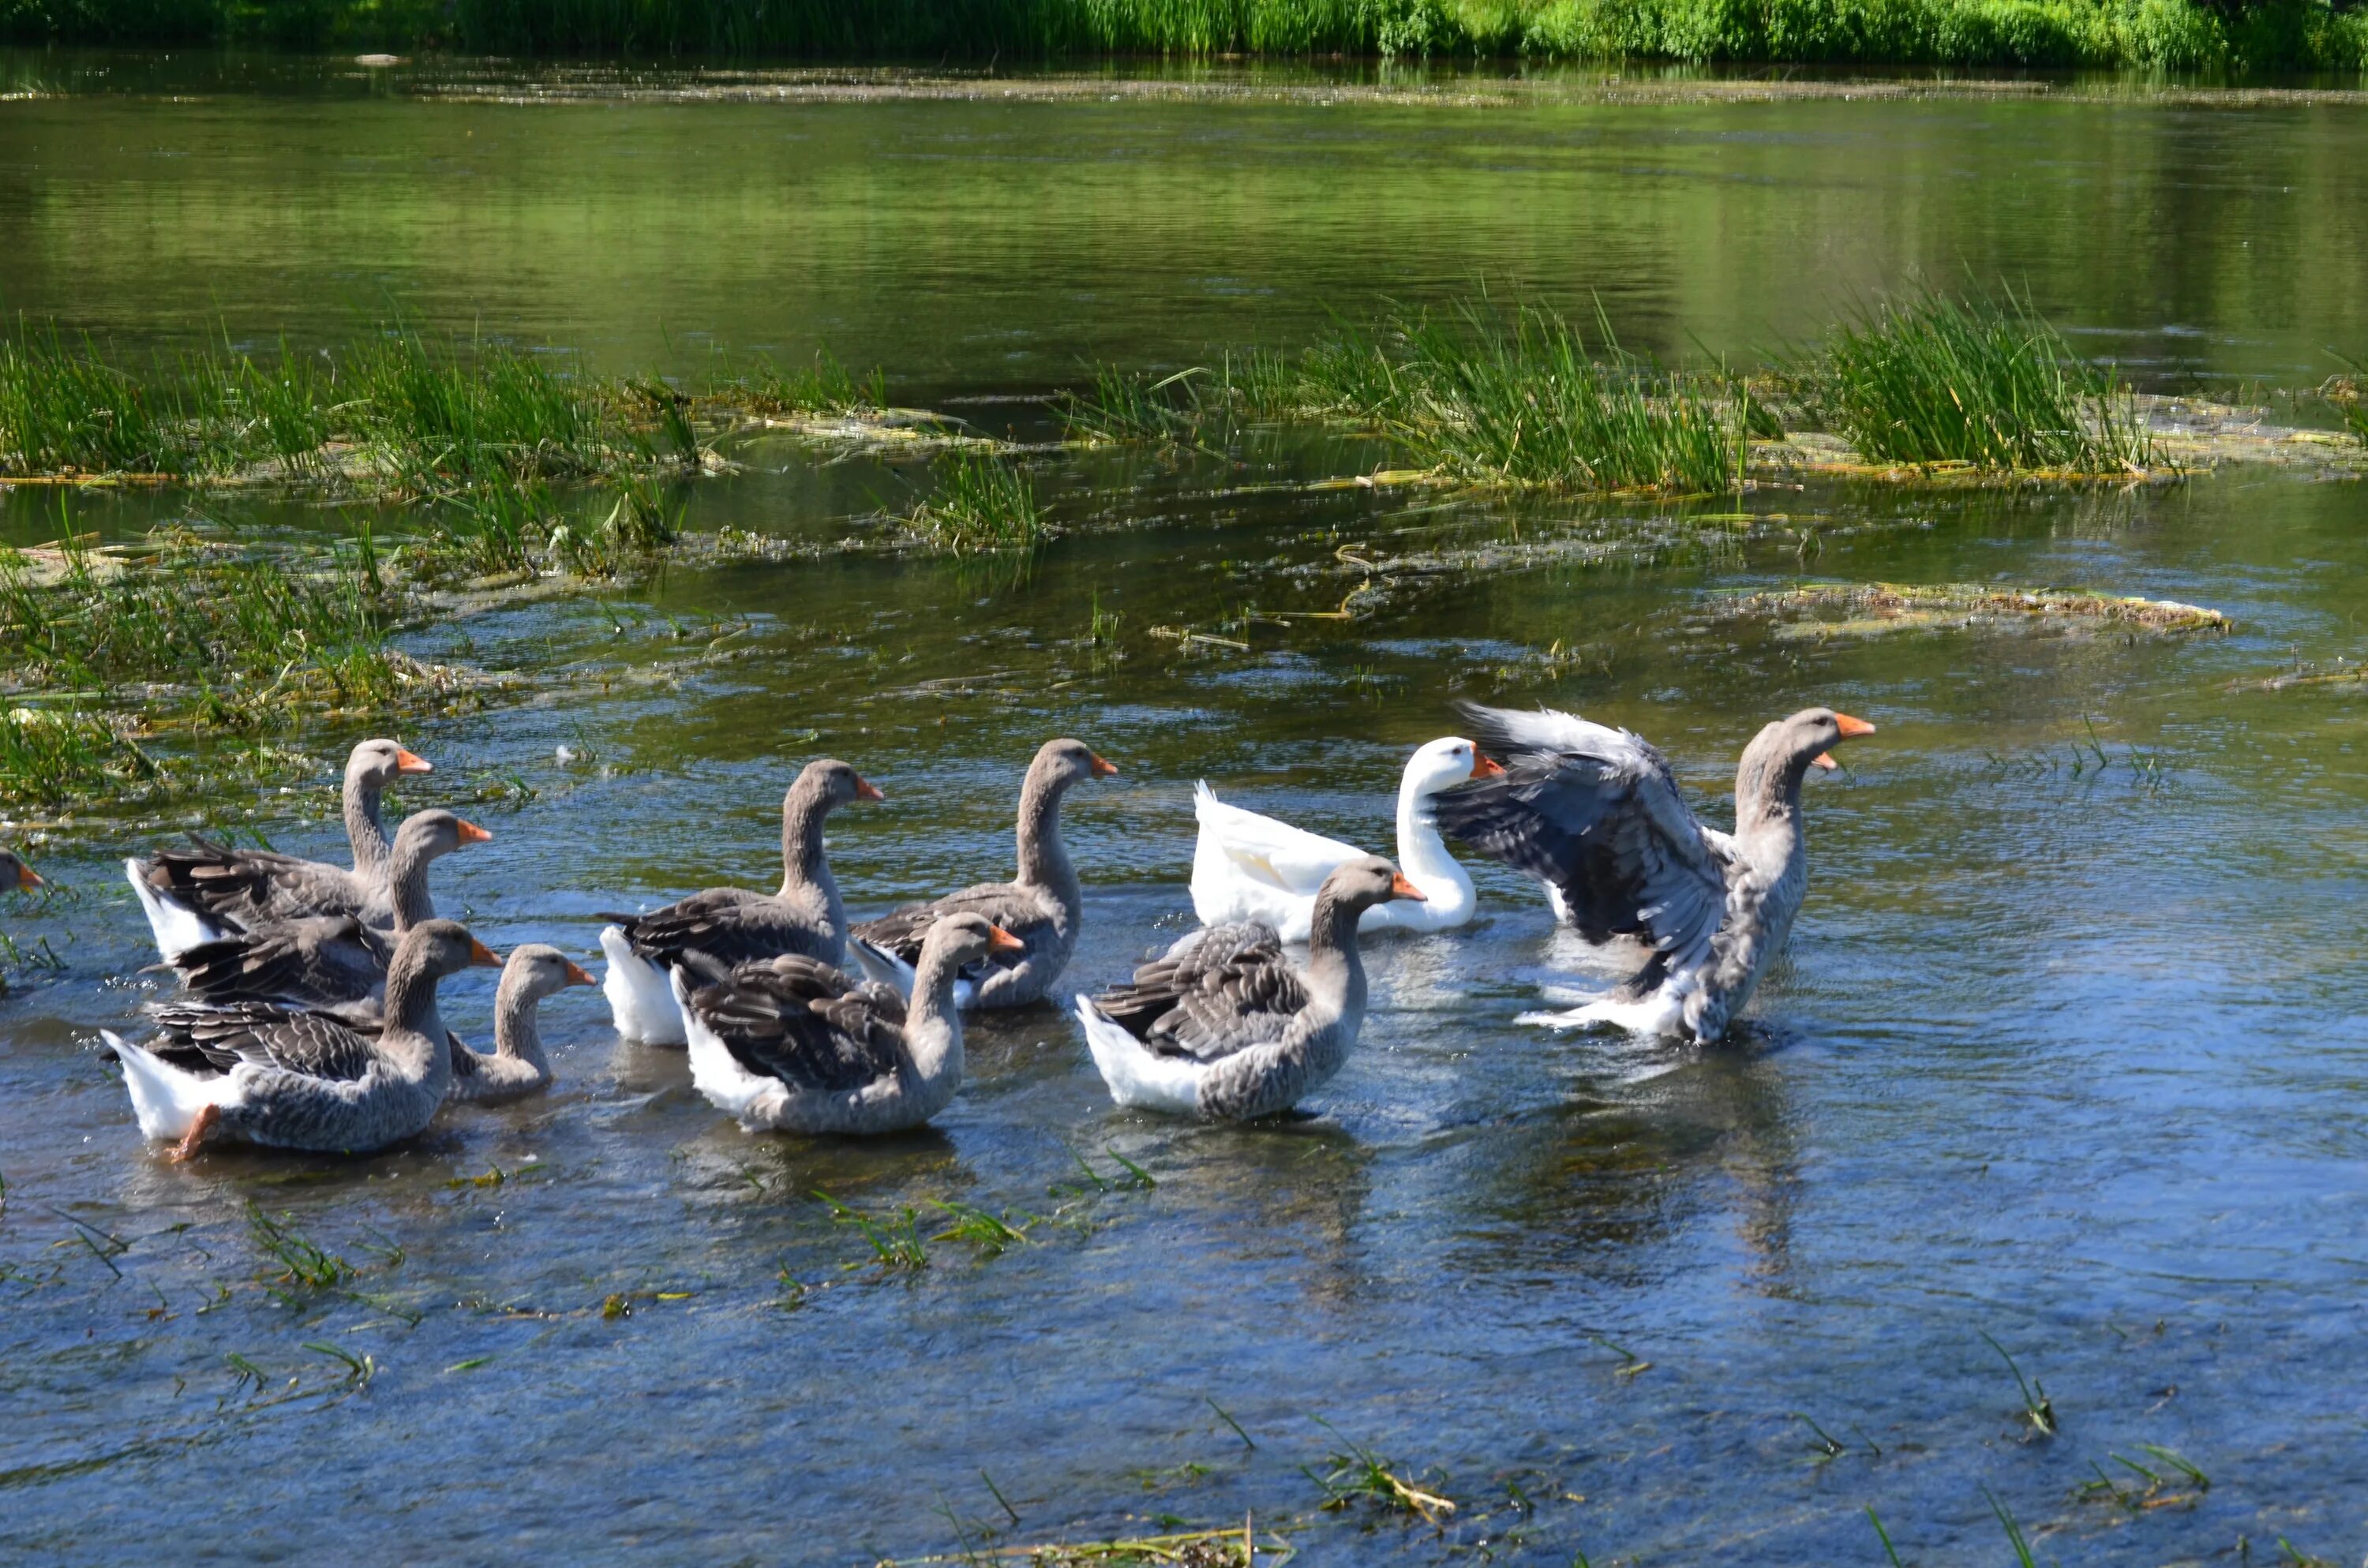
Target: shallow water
{"type": "Point", "coordinates": [2064, 1054]}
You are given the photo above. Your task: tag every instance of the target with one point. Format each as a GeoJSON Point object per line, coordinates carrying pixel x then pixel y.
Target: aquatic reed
{"type": "Point", "coordinates": [982, 503]}
{"type": "Point", "coordinates": [51, 758]}
{"type": "Point", "coordinates": [1940, 379]}
{"type": "Point", "coordinates": [825, 386]}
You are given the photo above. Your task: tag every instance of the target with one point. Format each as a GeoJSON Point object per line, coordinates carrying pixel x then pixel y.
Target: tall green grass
{"type": "Point", "coordinates": [982, 503]}
{"type": "Point", "coordinates": [52, 758]}
{"type": "Point", "coordinates": [252, 638]}
{"type": "Point", "coordinates": [1940, 379]}
{"type": "Point", "coordinates": [2156, 34]}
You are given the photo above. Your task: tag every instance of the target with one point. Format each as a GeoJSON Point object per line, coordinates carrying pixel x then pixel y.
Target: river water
{"type": "Point", "coordinates": [2069, 1053]}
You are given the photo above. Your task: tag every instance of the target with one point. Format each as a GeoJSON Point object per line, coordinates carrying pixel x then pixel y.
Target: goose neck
{"type": "Point", "coordinates": [413, 1038]}
{"type": "Point", "coordinates": [805, 865]}
{"type": "Point", "coordinates": [933, 1031]}
{"type": "Point", "coordinates": [406, 881]}
{"type": "Point", "coordinates": [1423, 855]}
{"type": "Point", "coordinates": [1336, 969]}
{"type": "Point", "coordinates": [365, 827]}
{"type": "Point", "coordinates": [516, 1032]}
{"type": "Point", "coordinates": [1043, 858]}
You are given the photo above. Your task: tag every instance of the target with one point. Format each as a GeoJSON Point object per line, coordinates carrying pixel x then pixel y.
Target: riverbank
{"type": "Point", "coordinates": [2161, 35]}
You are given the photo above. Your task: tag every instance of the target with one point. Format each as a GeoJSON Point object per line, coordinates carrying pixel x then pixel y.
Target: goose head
{"type": "Point", "coordinates": [446, 948]}
{"type": "Point", "coordinates": [834, 783]}
{"type": "Point", "coordinates": [1062, 763]}
{"type": "Point", "coordinates": [380, 763]}
{"type": "Point", "coordinates": [431, 834]}
{"type": "Point", "coordinates": [1360, 884]}
{"type": "Point", "coordinates": [15, 873]}
{"type": "Point", "coordinates": [964, 939]}
{"type": "Point", "coordinates": [539, 970]}
{"type": "Point", "coordinates": [1781, 755]}
{"type": "Point", "coordinates": [1444, 764]}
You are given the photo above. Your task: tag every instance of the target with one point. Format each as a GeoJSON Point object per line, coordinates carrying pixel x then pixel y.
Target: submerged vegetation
{"type": "Point", "coordinates": [2173, 34]}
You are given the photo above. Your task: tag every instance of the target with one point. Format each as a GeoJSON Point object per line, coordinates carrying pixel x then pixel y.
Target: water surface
{"type": "Point", "coordinates": [2064, 1055]}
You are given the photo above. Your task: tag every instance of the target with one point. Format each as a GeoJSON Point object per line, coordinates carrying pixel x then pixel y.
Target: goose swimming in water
{"type": "Point", "coordinates": [723, 926]}
{"type": "Point", "coordinates": [1248, 867]}
{"type": "Point", "coordinates": [1224, 1029]}
{"type": "Point", "coordinates": [1595, 814]}
{"type": "Point", "coordinates": [195, 895]}
{"type": "Point", "coordinates": [1043, 908]}
{"type": "Point", "coordinates": [290, 1078]}
{"type": "Point", "coordinates": [517, 1066]}
{"type": "Point", "coordinates": [792, 1045]}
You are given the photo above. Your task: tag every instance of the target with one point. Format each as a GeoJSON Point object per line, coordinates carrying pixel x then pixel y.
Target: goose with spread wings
{"type": "Point", "coordinates": [1595, 814]}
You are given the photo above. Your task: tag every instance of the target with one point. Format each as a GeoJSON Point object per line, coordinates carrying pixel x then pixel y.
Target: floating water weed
{"type": "Point", "coordinates": [2037, 1408]}
{"type": "Point", "coordinates": [2347, 394]}
{"type": "Point", "coordinates": [989, 1232]}
{"type": "Point", "coordinates": [359, 1370]}
{"type": "Point", "coordinates": [982, 503]}
{"type": "Point", "coordinates": [1360, 1473]}
{"type": "Point", "coordinates": [300, 1262]}
{"type": "Point", "coordinates": [895, 1243]}
{"type": "Point", "coordinates": [1948, 379]}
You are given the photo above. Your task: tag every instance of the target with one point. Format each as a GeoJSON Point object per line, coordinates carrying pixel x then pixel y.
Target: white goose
{"type": "Point", "coordinates": [1248, 867]}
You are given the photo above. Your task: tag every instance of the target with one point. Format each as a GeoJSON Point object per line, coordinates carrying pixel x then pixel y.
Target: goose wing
{"type": "Point", "coordinates": [1027, 913]}
{"type": "Point", "coordinates": [247, 887]}
{"type": "Point", "coordinates": [216, 1040]}
{"type": "Point", "coordinates": [327, 962]}
{"type": "Point", "coordinates": [1219, 990]}
{"type": "Point", "coordinates": [1595, 813]}
{"type": "Point", "coordinates": [809, 1025]}
{"type": "Point", "coordinates": [1288, 858]}
{"type": "Point", "coordinates": [728, 925]}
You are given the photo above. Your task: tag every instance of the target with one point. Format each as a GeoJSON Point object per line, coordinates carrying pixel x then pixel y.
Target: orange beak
{"type": "Point", "coordinates": [410, 762]}
{"type": "Point", "coordinates": [1103, 769]}
{"type": "Point", "coordinates": [1401, 888]}
{"type": "Point", "coordinates": [472, 834]}
{"type": "Point", "coordinates": [1823, 760]}
{"type": "Point", "coordinates": [1487, 767]}
{"type": "Point", "coordinates": [999, 940]}
{"type": "Point", "coordinates": [575, 975]}
{"type": "Point", "coordinates": [482, 956]}
{"type": "Point", "coordinates": [26, 878]}
{"type": "Point", "coordinates": [867, 791]}
{"type": "Point", "coordinates": [1851, 727]}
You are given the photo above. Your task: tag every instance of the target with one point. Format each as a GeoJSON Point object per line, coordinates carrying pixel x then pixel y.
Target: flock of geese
{"type": "Point", "coordinates": [307, 1015]}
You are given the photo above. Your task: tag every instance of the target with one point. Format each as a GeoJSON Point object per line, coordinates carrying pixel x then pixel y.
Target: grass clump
{"type": "Point", "coordinates": [824, 387]}
{"type": "Point", "coordinates": [251, 635]}
{"type": "Point", "coordinates": [1973, 381]}
{"type": "Point", "coordinates": [50, 759]}
{"type": "Point", "coordinates": [63, 410]}
{"type": "Point", "coordinates": [982, 503]}
{"type": "Point", "coordinates": [2349, 393]}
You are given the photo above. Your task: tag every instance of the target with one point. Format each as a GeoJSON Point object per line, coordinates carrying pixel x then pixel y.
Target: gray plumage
{"type": "Point", "coordinates": [233, 889]}
{"type": "Point", "coordinates": [517, 1066]}
{"type": "Point", "coordinates": [1043, 907]}
{"type": "Point", "coordinates": [330, 962]}
{"type": "Point", "coordinates": [794, 1045]}
{"type": "Point", "coordinates": [1222, 1025]}
{"type": "Point", "coordinates": [296, 1079]}
{"type": "Point", "coordinates": [1595, 813]}
{"type": "Point", "coordinates": [723, 926]}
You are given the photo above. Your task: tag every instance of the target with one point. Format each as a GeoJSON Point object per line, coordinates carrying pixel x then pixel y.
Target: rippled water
{"type": "Point", "coordinates": [2067, 1054]}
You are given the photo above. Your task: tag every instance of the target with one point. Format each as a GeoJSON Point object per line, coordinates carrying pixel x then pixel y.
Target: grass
{"type": "Point", "coordinates": [982, 503]}
{"type": "Point", "coordinates": [2013, 1531]}
{"type": "Point", "coordinates": [1360, 1474]}
{"type": "Point", "coordinates": [2157, 34]}
{"type": "Point", "coordinates": [2350, 395]}
{"type": "Point", "coordinates": [1940, 379]}
{"type": "Point", "coordinates": [300, 1262]}
{"type": "Point", "coordinates": [895, 1242]}
{"type": "Point", "coordinates": [51, 758]}
{"type": "Point", "coordinates": [2037, 1408]}
{"type": "Point", "coordinates": [824, 386]}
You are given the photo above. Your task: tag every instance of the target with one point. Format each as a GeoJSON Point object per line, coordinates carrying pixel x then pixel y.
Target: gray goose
{"type": "Point", "coordinates": [517, 1066]}
{"type": "Point", "coordinates": [330, 963]}
{"type": "Point", "coordinates": [1043, 907]}
{"type": "Point", "coordinates": [1595, 814]}
{"type": "Point", "coordinates": [290, 1078]}
{"type": "Point", "coordinates": [722, 926]}
{"type": "Point", "coordinates": [791, 1045]}
{"type": "Point", "coordinates": [1224, 1029]}
{"type": "Point", "coordinates": [196, 894]}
